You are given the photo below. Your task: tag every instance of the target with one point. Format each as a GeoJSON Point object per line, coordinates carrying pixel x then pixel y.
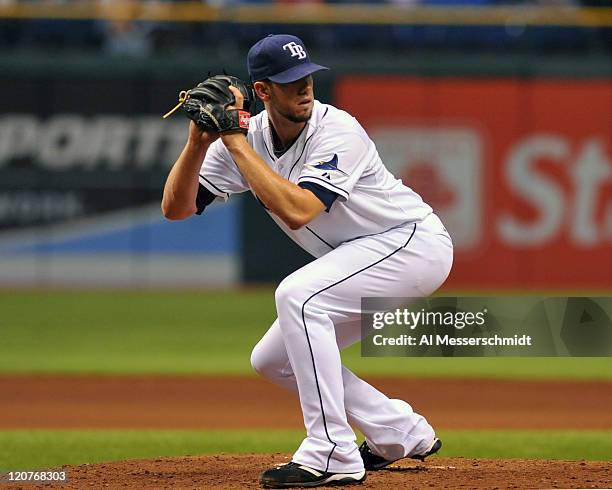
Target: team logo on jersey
{"type": "Point", "coordinates": [329, 165]}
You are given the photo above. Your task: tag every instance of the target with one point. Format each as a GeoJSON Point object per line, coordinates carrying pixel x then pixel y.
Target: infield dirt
{"type": "Point", "coordinates": [143, 402]}
{"type": "Point", "coordinates": [241, 471]}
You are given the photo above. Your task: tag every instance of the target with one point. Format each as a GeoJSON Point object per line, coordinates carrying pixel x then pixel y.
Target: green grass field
{"type": "Point", "coordinates": [21, 449]}
{"type": "Point", "coordinates": [130, 332]}
{"type": "Point", "coordinates": [200, 332]}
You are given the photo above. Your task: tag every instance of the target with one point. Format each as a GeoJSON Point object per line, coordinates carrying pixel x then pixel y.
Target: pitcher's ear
{"type": "Point", "coordinates": [262, 89]}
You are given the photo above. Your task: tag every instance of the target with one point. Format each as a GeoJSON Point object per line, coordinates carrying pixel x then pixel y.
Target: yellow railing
{"type": "Point", "coordinates": [313, 13]}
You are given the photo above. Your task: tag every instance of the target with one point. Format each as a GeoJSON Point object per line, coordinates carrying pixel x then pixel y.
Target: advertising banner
{"type": "Point", "coordinates": [520, 171]}
{"type": "Point", "coordinates": [83, 163]}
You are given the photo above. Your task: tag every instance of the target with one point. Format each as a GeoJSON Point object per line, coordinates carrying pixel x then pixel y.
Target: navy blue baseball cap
{"type": "Point", "coordinates": [281, 58]}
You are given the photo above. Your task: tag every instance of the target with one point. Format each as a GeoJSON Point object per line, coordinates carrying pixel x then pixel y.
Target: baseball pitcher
{"type": "Point", "coordinates": [317, 173]}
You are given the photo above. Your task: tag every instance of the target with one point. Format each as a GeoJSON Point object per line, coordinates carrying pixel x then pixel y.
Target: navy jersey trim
{"type": "Point", "coordinates": [312, 231]}
{"type": "Point", "coordinates": [326, 196]}
{"type": "Point", "coordinates": [325, 183]}
{"type": "Point", "coordinates": [305, 143]}
{"type": "Point", "coordinates": [310, 345]}
{"type": "Point", "coordinates": [203, 198]}
{"type": "Point", "coordinates": [280, 153]}
{"type": "Point", "coordinates": [223, 193]}
{"type": "Point", "coordinates": [302, 152]}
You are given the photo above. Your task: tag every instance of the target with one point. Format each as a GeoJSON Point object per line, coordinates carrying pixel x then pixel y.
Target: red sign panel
{"type": "Point", "coordinates": [519, 171]}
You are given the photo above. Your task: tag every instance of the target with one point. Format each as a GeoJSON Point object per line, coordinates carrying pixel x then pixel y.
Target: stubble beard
{"type": "Point", "coordinates": [297, 118]}
{"type": "Point", "coordinates": [300, 119]}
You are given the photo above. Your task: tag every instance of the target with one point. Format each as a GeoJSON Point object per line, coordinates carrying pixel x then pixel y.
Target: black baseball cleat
{"type": "Point", "coordinates": [372, 462]}
{"type": "Point", "coordinates": [297, 475]}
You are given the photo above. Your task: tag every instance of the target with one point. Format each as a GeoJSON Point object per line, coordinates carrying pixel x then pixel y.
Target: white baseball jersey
{"type": "Point", "coordinates": [332, 152]}
{"type": "Point", "coordinates": [376, 238]}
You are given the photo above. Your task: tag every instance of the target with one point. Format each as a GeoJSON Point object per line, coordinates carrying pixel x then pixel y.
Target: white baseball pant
{"type": "Point", "coordinates": [318, 309]}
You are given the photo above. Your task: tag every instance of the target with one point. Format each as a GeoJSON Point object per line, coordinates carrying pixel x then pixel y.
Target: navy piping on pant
{"type": "Point", "coordinates": [314, 368]}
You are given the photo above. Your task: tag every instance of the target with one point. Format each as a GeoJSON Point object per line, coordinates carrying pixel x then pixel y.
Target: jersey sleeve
{"type": "Point", "coordinates": [324, 195]}
{"type": "Point", "coordinates": [336, 163]}
{"type": "Point", "coordinates": [219, 174]}
{"type": "Point", "coordinates": [203, 198]}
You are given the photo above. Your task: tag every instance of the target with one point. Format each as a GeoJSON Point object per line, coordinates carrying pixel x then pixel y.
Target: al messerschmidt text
{"type": "Point", "coordinates": [430, 339]}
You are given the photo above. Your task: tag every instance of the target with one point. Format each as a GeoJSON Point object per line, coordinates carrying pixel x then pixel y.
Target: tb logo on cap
{"type": "Point", "coordinates": [296, 50]}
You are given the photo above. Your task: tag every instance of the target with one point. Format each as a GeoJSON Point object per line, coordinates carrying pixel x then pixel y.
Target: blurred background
{"type": "Point", "coordinates": [498, 113]}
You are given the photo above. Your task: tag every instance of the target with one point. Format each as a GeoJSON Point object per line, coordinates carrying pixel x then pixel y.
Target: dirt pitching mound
{"type": "Point", "coordinates": [242, 471]}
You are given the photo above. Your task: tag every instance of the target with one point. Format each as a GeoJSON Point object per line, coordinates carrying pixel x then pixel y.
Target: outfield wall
{"type": "Point", "coordinates": [514, 153]}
